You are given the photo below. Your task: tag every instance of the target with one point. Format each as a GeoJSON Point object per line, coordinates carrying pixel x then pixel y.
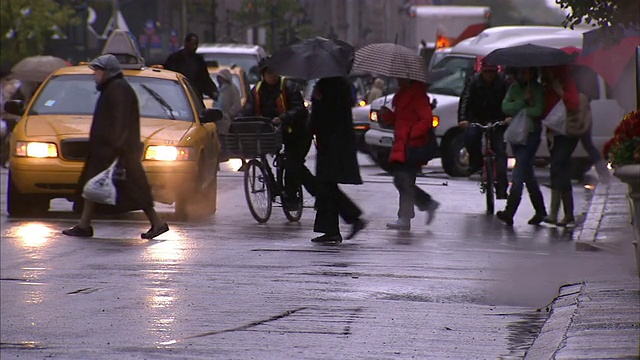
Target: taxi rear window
{"type": "Point", "coordinates": [77, 95]}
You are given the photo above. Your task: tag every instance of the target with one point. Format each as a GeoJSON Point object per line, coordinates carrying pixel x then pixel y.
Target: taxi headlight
{"type": "Point", "coordinates": [36, 149]}
{"type": "Point", "coordinates": [373, 116]}
{"type": "Point", "coordinates": [169, 153]}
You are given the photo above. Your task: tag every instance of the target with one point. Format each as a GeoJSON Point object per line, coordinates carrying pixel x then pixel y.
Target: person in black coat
{"type": "Point", "coordinates": [115, 133]}
{"type": "Point", "coordinates": [277, 98]}
{"type": "Point", "coordinates": [193, 66]}
{"type": "Point", "coordinates": [336, 161]}
{"type": "Point", "coordinates": [481, 102]}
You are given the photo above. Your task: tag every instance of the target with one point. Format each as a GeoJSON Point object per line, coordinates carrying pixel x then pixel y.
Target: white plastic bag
{"type": "Point", "coordinates": [557, 119]}
{"type": "Point", "coordinates": [100, 188]}
{"type": "Point", "coordinates": [518, 130]}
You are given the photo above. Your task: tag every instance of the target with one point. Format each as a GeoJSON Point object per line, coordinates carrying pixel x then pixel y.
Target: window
{"type": "Point", "coordinates": [450, 75]}
{"type": "Point", "coordinates": [77, 95]}
{"type": "Point", "coordinates": [248, 62]}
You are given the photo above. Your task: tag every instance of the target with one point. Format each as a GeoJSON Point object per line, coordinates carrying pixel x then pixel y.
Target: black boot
{"type": "Point", "coordinates": [513, 201]}
{"type": "Point", "coordinates": [538, 204]}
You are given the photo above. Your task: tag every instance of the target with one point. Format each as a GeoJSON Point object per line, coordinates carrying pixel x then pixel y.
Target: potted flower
{"type": "Point", "coordinates": [623, 151]}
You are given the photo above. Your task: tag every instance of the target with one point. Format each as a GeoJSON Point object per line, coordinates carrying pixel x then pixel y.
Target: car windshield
{"type": "Point", "coordinates": [248, 62]}
{"type": "Point", "coordinates": [234, 78]}
{"type": "Point", "coordinates": [451, 74]}
{"type": "Point", "coordinates": [77, 95]}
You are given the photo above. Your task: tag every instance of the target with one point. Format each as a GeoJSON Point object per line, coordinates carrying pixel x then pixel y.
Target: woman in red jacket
{"type": "Point", "coordinates": [558, 86]}
{"type": "Point", "coordinates": [412, 120]}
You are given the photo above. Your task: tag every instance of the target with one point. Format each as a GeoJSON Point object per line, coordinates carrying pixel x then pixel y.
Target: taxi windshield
{"type": "Point", "coordinates": [77, 95]}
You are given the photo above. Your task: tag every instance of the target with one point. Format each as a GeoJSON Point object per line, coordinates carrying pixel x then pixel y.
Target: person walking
{"type": "Point", "coordinates": [412, 120]}
{"type": "Point", "coordinates": [276, 98]}
{"type": "Point", "coordinates": [336, 161]}
{"type": "Point", "coordinates": [525, 94]}
{"type": "Point", "coordinates": [115, 134]}
{"type": "Point", "coordinates": [228, 101]}
{"type": "Point", "coordinates": [481, 102]}
{"type": "Point", "coordinates": [376, 90]}
{"type": "Point", "coordinates": [192, 65]}
{"type": "Point", "coordinates": [558, 86]}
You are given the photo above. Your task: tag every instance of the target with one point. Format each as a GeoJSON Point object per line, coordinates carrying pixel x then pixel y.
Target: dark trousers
{"type": "Point", "coordinates": [332, 203]}
{"type": "Point", "coordinates": [523, 175]}
{"type": "Point", "coordinates": [561, 147]}
{"type": "Point", "coordinates": [404, 178]}
{"type": "Point", "coordinates": [297, 174]}
{"type": "Point", "coordinates": [473, 144]}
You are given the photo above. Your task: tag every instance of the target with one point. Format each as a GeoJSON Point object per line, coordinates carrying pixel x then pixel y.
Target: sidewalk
{"type": "Point", "coordinates": [596, 320]}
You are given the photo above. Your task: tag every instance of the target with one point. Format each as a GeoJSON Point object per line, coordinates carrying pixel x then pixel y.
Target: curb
{"type": "Point", "coordinates": [553, 333]}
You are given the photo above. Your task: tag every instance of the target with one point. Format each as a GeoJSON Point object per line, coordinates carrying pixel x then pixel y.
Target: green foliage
{"type": "Point", "coordinates": [610, 14]}
{"type": "Point", "coordinates": [264, 12]}
{"type": "Point", "coordinates": [26, 25]}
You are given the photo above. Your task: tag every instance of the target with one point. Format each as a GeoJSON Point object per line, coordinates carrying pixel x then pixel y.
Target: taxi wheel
{"type": "Point", "coordinates": [19, 204]}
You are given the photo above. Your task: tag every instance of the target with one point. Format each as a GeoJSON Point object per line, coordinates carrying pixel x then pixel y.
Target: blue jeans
{"type": "Point", "coordinates": [523, 174]}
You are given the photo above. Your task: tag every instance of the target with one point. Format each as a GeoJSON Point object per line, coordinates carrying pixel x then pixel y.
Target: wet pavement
{"type": "Point", "coordinates": [465, 287]}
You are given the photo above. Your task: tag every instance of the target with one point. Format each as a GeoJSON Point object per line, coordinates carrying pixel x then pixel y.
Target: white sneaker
{"type": "Point", "coordinates": [431, 211]}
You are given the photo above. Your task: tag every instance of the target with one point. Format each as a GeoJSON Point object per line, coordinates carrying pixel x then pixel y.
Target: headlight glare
{"type": "Point", "coordinates": [168, 153]}
{"type": "Point", "coordinates": [36, 149]}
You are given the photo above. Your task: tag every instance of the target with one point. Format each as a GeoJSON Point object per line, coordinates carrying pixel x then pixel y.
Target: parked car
{"type": "Point", "coordinates": [50, 142]}
{"type": "Point", "coordinates": [246, 56]}
{"type": "Point", "coordinates": [455, 67]}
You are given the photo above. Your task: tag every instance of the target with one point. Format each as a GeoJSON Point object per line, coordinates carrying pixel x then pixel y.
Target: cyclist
{"type": "Point", "coordinates": [275, 97]}
{"type": "Point", "coordinates": [481, 102]}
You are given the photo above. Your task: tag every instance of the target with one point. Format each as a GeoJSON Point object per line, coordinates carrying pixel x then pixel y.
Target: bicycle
{"type": "Point", "coordinates": [488, 178]}
{"type": "Point", "coordinates": [255, 138]}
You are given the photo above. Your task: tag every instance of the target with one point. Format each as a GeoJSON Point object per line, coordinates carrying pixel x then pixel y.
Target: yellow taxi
{"type": "Point", "coordinates": [50, 142]}
{"type": "Point", "coordinates": [239, 78]}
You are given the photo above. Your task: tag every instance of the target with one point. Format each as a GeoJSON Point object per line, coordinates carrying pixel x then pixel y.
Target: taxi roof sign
{"type": "Point", "coordinates": [123, 46]}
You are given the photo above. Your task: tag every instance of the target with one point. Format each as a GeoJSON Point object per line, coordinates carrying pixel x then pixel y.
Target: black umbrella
{"type": "Point", "coordinates": [313, 59]}
{"type": "Point", "coordinates": [529, 55]}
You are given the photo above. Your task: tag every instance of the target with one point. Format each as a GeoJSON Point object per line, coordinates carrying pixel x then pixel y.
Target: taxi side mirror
{"type": "Point", "coordinates": [14, 107]}
{"type": "Point", "coordinates": [211, 115]}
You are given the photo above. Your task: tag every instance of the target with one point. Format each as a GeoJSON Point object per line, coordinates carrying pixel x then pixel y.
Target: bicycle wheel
{"type": "Point", "coordinates": [292, 213]}
{"type": "Point", "coordinates": [257, 191]}
{"type": "Point", "coordinates": [489, 189]}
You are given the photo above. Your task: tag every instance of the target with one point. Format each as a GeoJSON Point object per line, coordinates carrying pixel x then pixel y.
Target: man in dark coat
{"type": "Point", "coordinates": [115, 134]}
{"type": "Point", "coordinates": [276, 98]}
{"type": "Point", "coordinates": [193, 66]}
{"type": "Point", "coordinates": [336, 161]}
{"type": "Point", "coordinates": [481, 102]}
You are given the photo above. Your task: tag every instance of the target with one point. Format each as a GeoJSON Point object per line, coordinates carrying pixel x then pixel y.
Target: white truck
{"type": "Point", "coordinates": [443, 26]}
{"type": "Point", "coordinates": [459, 64]}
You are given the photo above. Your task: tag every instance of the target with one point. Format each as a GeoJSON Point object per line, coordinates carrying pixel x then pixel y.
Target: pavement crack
{"type": "Point", "coordinates": [249, 325]}
{"type": "Point", "coordinates": [83, 291]}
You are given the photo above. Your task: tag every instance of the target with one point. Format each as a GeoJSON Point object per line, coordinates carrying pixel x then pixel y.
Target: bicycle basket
{"type": "Point", "coordinates": [251, 137]}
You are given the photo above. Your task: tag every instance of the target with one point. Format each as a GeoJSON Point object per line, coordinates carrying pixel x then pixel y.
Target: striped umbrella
{"type": "Point", "coordinates": [392, 60]}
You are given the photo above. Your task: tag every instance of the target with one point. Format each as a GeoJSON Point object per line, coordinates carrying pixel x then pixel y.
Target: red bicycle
{"type": "Point", "coordinates": [488, 179]}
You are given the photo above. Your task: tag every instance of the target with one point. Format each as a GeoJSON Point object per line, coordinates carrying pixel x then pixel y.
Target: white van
{"type": "Point", "coordinates": [246, 56]}
{"type": "Point", "coordinates": [459, 64]}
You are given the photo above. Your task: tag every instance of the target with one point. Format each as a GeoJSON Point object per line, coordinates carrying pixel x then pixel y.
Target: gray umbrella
{"type": "Point", "coordinates": [36, 68]}
{"type": "Point", "coordinates": [392, 60]}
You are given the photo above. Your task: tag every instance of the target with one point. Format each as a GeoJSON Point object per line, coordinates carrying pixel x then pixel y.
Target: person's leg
{"type": "Point", "coordinates": [158, 226]}
{"type": "Point", "coordinates": [500, 149]}
{"type": "Point", "coordinates": [533, 188]}
{"type": "Point", "coordinates": [327, 213]}
{"type": "Point", "coordinates": [568, 145]}
{"type": "Point", "coordinates": [349, 212]}
{"type": "Point", "coordinates": [473, 144]}
{"type": "Point", "coordinates": [84, 228]}
{"type": "Point", "coordinates": [517, 186]}
{"type": "Point", "coordinates": [596, 158]}
{"type": "Point", "coordinates": [404, 179]}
